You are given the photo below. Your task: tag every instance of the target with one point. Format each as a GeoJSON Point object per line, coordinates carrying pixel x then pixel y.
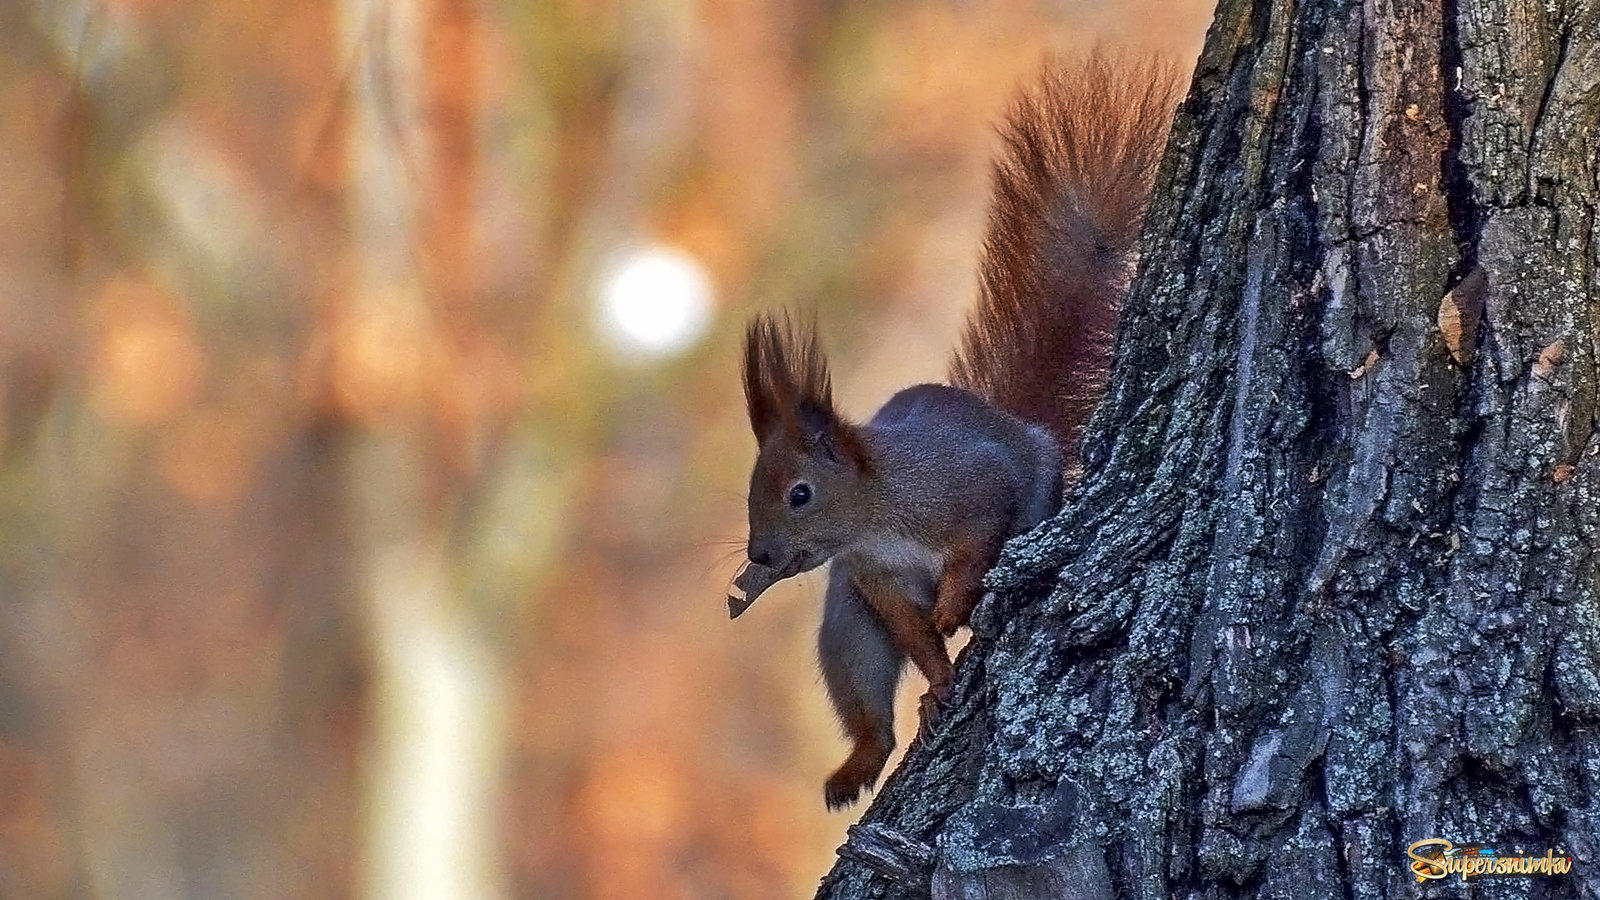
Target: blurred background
{"type": "Point", "coordinates": [372, 455]}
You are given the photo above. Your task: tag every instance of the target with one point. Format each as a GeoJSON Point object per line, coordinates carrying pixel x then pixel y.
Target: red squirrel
{"type": "Point", "coordinates": [913, 506]}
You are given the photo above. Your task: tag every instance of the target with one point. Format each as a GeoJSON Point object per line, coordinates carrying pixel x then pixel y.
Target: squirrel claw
{"type": "Point", "coordinates": [932, 709]}
{"type": "Point", "coordinates": [840, 792]}
{"type": "Point", "coordinates": [929, 708]}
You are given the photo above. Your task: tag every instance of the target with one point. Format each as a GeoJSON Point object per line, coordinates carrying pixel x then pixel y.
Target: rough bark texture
{"type": "Point", "coordinates": [1329, 585]}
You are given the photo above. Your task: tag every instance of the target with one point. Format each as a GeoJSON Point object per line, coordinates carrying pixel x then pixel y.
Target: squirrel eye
{"type": "Point", "coordinates": [800, 494]}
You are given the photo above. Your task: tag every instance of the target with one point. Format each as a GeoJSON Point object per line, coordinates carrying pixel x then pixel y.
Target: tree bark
{"type": "Point", "coordinates": [1329, 585]}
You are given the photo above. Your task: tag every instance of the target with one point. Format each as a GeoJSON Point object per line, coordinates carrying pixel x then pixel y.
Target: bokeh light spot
{"type": "Point", "coordinates": [654, 303]}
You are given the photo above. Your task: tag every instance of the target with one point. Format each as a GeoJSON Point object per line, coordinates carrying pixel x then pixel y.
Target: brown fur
{"type": "Point", "coordinates": [783, 366]}
{"type": "Point", "coordinates": [961, 584]}
{"type": "Point", "coordinates": [787, 388]}
{"type": "Point", "coordinates": [869, 751]}
{"type": "Point", "coordinates": [1079, 155]}
{"type": "Point", "coordinates": [910, 627]}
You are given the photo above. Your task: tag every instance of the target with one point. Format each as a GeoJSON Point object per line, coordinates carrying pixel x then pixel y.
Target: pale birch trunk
{"type": "Point", "coordinates": [438, 681]}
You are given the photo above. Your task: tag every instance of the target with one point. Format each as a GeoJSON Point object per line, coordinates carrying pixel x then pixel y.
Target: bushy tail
{"type": "Point", "coordinates": [1070, 187]}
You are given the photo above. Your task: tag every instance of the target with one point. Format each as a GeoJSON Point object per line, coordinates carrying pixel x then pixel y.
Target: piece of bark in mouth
{"type": "Point", "coordinates": [751, 580]}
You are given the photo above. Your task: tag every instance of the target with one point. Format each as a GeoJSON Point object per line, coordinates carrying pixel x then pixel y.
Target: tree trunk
{"type": "Point", "coordinates": [434, 599]}
{"type": "Point", "coordinates": [1329, 585]}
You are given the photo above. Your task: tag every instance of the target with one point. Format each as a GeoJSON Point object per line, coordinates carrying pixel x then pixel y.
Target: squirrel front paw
{"type": "Point", "coordinates": [931, 708]}
{"type": "Point", "coordinates": [841, 789]}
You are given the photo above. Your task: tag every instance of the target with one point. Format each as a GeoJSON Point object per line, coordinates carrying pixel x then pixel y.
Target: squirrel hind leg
{"type": "Point", "coordinates": [858, 772]}
{"type": "Point", "coordinates": [861, 668]}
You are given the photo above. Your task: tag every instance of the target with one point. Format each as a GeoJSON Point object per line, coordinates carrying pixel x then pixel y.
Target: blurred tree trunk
{"type": "Point", "coordinates": [179, 673]}
{"type": "Point", "coordinates": [405, 374]}
{"type": "Point", "coordinates": [1330, 583]}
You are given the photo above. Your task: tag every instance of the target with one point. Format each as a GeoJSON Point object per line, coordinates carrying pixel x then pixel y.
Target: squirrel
{"type": "Point", "coordinates": [913, 506]}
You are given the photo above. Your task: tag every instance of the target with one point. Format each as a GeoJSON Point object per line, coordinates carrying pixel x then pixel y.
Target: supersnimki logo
{"type": "Point", "coordinates": [1436, 858]}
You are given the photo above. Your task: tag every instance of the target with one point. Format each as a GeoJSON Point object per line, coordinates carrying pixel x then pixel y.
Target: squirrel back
{"type": "Point", "coordinates": [1079, 154]}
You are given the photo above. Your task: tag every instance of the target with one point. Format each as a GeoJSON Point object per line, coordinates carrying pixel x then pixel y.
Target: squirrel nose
{"type": "Point", "coordinates": [759, 550]}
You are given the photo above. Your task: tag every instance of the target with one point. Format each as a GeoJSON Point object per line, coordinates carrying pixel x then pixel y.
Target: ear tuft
{"type": "Point", "coordinates": [785, 375]}
{"type": "Point", "coordinates": [760, 394]}
{"type": "Point", "coordinates": [789, 392]}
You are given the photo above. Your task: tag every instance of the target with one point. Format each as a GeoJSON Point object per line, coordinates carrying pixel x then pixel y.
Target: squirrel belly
{"type": "Point", "coordinates": [914, 505]}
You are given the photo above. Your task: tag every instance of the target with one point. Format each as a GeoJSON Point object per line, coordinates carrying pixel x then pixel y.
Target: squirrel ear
{"type": "Point", "coordinates": [823, 433]}
{"type": "Point", "coordinates": [789, 393]}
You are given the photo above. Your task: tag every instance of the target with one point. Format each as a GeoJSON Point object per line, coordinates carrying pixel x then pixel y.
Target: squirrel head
{"type": "Point", "coordinates": [813, 472]}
